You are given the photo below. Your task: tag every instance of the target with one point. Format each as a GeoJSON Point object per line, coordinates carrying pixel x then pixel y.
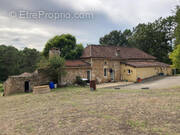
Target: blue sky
{"type": "Point", "coordinates": [107, 16]}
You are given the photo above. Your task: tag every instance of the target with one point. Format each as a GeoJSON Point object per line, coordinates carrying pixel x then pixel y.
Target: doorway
{"type": "Point", "coordinates": [112, 74]}
{"type": "Point", "coordinates": [26, 86]}
{"type": "Point", "coordinates": [89, 75]}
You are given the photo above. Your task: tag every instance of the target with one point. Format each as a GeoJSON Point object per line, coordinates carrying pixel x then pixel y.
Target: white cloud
{"type": "Point", "coordinates": [30, 34]}
{"type": "Point", "coordinates": [129, 11]}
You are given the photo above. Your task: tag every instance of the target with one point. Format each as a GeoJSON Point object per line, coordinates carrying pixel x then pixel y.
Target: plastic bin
{"type": "Point", "coordinates": [51, 85]}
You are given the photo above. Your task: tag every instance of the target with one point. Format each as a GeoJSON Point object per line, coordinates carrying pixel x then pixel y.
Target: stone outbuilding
{"type": "Point", "coordinates": [20, 83]}
{"type": "Point", "coordinates": [24, 82]}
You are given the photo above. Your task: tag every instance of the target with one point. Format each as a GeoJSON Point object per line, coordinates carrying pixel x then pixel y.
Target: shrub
{"type": "Point", "coordinates": [79, 81]}
{"type": "Point", "coordinates": [54, 67]}
{"type": "Point", "coordinates": [1, 88]}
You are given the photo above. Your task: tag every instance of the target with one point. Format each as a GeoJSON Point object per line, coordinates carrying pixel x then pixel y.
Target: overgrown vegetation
{"type": "Point", "coordinates": [53, 66]}
{"type": "Point", "coordinates": [1, 87]}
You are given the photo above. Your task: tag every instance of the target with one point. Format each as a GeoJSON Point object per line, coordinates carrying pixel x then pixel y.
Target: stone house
{"type": "Point", "coordinates": [111, 63]}
{"type": "Point", "coordinates": [100, 63]}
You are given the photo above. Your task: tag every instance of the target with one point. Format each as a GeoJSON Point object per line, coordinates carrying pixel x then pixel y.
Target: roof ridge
{"type": "Point", "coordinates": [99, 45]}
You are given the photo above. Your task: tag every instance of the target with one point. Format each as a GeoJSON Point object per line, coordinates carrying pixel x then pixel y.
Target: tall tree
{"type": "Point", "coordinates": [155, 38]}
{"type": "Point", "coordinates": [29, 59]}
{"type": "Point", "coordinates": [76, 52]}
{"type": "Point", "coordinates": [14, 62]}
{"type": "Point", "coordinates": [66, 43]}
{"type": "Point", "coordinates": [9, 61]}
{"type": "Point", "coordinates": [177, 30]}
{"type": "Point", "coordinates": [116, 38]}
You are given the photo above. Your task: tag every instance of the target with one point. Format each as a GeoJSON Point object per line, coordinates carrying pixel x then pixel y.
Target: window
{"type": "Point", "coordinates": [105, 72]}
{"type": "Point", "coordinates": [129, 71]}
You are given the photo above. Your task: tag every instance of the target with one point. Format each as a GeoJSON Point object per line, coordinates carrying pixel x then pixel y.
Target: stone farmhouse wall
{"type": "Point", "coordinates": [121, 71]}
{"type": "Point", "coordinates": [98, 66]}
{"type": "Point", "coordinates": [71, 74]}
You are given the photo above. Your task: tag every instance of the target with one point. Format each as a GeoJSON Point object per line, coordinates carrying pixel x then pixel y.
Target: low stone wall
{"type": "Point", "coordinates": [41, 89]}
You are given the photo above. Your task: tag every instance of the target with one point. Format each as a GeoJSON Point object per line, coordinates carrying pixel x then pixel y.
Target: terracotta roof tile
{"type": "Point", "coordinates": [146, 64]}
{"type": "Point", "coordinates": [101, 51]}
{"type": "Point", "coordinates": [76, 63]}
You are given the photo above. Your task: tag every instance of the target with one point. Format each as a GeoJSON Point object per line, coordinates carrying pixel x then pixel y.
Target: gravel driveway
{"type": "Point", "coordinates": [165, 82]}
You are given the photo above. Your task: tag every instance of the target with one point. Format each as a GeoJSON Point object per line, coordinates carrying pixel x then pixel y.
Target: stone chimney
{"type": "Point", "coordinates": [54, 52]}
{"type": "Point", "coordinates": [118, 51]}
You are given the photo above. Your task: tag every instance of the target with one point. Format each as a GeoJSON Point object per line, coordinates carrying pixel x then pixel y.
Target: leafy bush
{"type": "Point", "coordinates": [1, 88]}
{"type": "Point", "coordinates": [54, 67]}
{"type": "Point", "coordinates": [79, 81]}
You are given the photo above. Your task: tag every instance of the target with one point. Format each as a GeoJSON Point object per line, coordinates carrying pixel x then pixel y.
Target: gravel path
{"type": "Point", "coordinates": [163, 83]}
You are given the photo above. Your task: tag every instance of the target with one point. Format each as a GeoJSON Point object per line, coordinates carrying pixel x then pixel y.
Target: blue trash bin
{"type": "Point", "coordinates": [51, 85]}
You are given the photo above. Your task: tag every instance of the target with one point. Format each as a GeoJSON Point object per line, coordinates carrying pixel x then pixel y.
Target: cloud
{"type": "Point", "coordinates": [30, 34]}
{"type": "Point", "coordinates": [130, 11]}
{"type": "Point", "coordinates": [108, 16]}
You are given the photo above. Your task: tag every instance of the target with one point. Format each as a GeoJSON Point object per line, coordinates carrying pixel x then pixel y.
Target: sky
{"type": "Point", "coordinates": [31, 23]}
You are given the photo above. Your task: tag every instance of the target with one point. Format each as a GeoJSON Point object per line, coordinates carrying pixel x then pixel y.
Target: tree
{"type": "Point", "coordinates": [177, 29]}
{"type": "Point", "coordinates": [9, 62]}
{"type": "Point", "coordinates": [29, 59]}
{"type": "Point", "coordinates": [175, 57]}
{"type": "Point", "coordinates": [155, 38]}
{"type": "Point", "coordinates": [116, 38]}
{"type": "Point", "coordinates": [53, 66]}
{"type": "Point", "coordinates": [67, 44]}
{"type": "Point", "coordinates": [14, 62]}
{"type": "Point", "coordinates": [76, 52]}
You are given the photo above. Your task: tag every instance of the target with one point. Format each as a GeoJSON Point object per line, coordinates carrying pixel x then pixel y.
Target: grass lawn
{"type": "Point", "coordinates": [78, 111]}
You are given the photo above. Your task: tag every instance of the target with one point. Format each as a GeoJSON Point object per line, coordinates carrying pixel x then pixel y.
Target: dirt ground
{"type": "Point", "coordinates": [163, 83]}
{"type": "Point", "coordinates": [78, 111]}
